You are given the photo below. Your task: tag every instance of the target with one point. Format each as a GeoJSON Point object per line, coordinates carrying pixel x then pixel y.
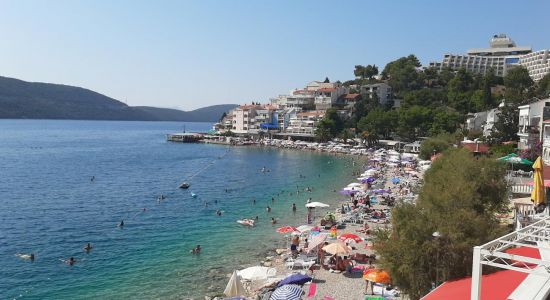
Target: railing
{"type": "Point", "coordinates": [522, 189]}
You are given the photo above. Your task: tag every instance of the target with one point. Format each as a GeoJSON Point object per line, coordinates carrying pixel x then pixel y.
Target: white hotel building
{"type": "Point", "coordinates": [501, 56]}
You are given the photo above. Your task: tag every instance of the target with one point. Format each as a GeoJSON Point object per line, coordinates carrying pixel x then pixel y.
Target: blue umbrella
{"type": "Point", "coordinates": [395, 180]}
{"type": "Point", "coordinates": [295, 279]}
{"type": "Point", "coordinates": [287, 292]}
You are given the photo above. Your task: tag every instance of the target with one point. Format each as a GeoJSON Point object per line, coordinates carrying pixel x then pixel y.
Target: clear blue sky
{"type": "Point", "coordinates": [189, 54]}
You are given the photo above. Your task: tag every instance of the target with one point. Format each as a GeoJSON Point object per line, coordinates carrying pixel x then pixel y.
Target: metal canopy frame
{"type": "Point", "coordinates": [492, 254]}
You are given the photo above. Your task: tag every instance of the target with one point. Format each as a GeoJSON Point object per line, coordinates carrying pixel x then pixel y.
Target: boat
{"type": "Point", "coordinates": [194, 195]}
{"type": "Point", "coordinates": [184, 185]}
{"type": "Point", "coordinates": [246, 222]}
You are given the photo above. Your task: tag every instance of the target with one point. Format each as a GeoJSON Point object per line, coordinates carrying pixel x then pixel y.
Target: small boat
{"type": "Point", "coordinates": [184, 185]}
{"type": "Point", "coordinates": [246, 222]}
{"type": "Point", "coordinates": [194, 195]}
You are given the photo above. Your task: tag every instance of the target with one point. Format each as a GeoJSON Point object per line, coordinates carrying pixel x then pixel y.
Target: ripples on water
{"type": "Point", "coordinates": [50, 207]}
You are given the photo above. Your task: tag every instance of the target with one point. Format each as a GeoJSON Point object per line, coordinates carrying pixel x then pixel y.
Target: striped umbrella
{"type": "Point", "coordinates": [287, 292]}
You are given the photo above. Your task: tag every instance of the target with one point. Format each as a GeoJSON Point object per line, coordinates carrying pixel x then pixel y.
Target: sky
{"type": "Point", "coordinates": [191, 54]}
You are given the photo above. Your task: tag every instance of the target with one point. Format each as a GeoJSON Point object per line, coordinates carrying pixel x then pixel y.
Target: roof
{"type": "Point", "coordinates": [327, 90]}
{"type": "Point", "coordinates": [350, 96]}
{"type": "Point", "coordinates": [496, 286]}
{"type": "Point", "coordinates": [476, 147]}
{"type": "Point", "coordinates": [310, 113]}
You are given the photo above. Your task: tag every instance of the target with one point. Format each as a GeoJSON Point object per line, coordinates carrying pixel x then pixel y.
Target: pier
{"type": "Point", "coordinates": [185, 137]}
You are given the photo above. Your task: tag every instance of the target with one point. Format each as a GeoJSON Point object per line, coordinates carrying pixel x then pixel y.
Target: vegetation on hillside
{"type": "Point", "coordinates": [459, 200]}
{"type": "Point", "coordinates": [436, 101]}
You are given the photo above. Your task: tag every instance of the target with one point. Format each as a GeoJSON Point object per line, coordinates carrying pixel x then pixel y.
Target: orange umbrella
{"type": "Point", "coordinates": [377, 275]}
{"type": "Point", "coordinates": [286, 229]}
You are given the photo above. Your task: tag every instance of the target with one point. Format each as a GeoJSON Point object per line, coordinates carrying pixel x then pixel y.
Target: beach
{"type": "Point", "coordinates": [395, 182]}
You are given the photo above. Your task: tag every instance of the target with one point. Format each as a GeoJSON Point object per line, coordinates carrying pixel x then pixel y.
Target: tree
{"type": "Point", "coordinates": [223, 116]}
{"type": "Point", "coordinates": [359, 71]}
{"type": "Point", "coordinates": [379, 122]}
{"type": "Point", "coordinates": [330, 126]}
{"type": "Point", "coordinates": [326, 80]}
{"type": "Point", "coordinates": [505, 127]}
{"type": "Point", "coordinates": [445, 121]}
{"type": "Point", "coordinates": [402, 74]}
{"type": "Point", "coordinates": [370, 71]}
{"type": "Point", "coordinates": [543, 87]}
{"type": "Point", "coordinates": [434, 145]}
{"type": "Point", "coordinates": [517, 82]}
{"type": "Point", "coordinates": [414, 122]}
{"type": "Point", "coordinates": [459, 200]}
{"type": "Point", "coordinates": [460, 91]}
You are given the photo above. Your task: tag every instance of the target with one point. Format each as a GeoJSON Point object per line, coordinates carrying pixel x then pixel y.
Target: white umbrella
{"type": "Point", "coordinates": [355, 184]}
{"type": "Point", "coordinates": [234, 286]}
{"type": "Point", "coordinates": [257, 273]}
{"type": "Point", "coordinates": [316, 204]}
{"type": "Point", "coordinates": [304, 228]}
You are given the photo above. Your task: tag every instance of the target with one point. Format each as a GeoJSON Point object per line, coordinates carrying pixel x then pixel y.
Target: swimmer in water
{"type": "Point", "coordinates": [254, 201]}
{"type": "Point", "coordinates": [294, 207]}
{"type": "Point", "coordinates": [93, 178]}
{"type": "Point", "coordinates": [26, 256]}
{"type": "Point", "coordinates": [219, 212]}
{"type": "Point", "coordinates": [268, 208]}
{"type": "Point", "coordinates": [273, 221]}
{"type": "Point", "coordinates": [71, 261]}
{"type": "Point", "coordinates": [196, 250]}
{"type": "Point", "coordinates": [88, 247]}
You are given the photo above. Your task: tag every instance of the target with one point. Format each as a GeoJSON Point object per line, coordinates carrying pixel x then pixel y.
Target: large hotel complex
{"type": "Point", "coordinates": [502, 55]}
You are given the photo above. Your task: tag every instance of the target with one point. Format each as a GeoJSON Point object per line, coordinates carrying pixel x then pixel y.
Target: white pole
{"type": "Point", "coordinates": [476, 274]}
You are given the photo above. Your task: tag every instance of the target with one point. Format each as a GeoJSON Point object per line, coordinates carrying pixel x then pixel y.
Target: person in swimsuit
{"type": "Point", "coordinates": [88, 247]}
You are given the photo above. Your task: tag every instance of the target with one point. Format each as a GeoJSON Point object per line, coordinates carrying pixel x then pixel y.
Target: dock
{"type": "Point", "coordinates": [184, 137]}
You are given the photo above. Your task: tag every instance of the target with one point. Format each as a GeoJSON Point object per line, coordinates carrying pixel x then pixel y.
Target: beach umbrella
{"type": "Point", "coordinates": [395, 180]}
{"type": "Point", "coordinates": [538, 195]}
{"type": "Point", "coordinates": [351, 236]}
{"type": "Point", "coordinates": [316, 240]}
{"type": "Point", "coordinates": [234, 286]}
{"type": "Point", "coordinates": [287, 292]}
{"type": "Point", "coordinates": [377, 275]}
{"type": "Point", "coordinates": [316, 204]}
{"type": "Point", "coordinates": [515, 159]}
{"type": "Point", "coordinates": [337, 248]}
{"type": "Point", "coordinates": [347, 192]}
{"type": "Point", "coordinates": [304, 228]}
{"type": "Point", "coordinates": [257, 273]}
{"type": "Point", "coordinates": [286, 229]}
{"type": "Point", "coordinates": [354, 184]}
{"type": "Point", "coordinates": [297, 278]}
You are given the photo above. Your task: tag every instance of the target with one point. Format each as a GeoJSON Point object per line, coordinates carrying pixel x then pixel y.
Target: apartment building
{"type": "Point", "coordinates": [531, 117]}
{"type": "Point", "coordinates": [537, 63]}
{"type": "Point", "coordinates": [382, 90]}
{"type": "Point", "coordinates": [304, 123]}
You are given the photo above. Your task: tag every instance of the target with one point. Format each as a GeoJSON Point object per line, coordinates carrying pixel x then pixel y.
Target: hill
{"type": "Point", "coordinates": [204, 114]}
{"type": "Point", "coordinates": [35, 100]}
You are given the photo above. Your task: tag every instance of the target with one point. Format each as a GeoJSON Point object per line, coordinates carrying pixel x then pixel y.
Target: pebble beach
{"type": "Point", "coordinates": [388, 178]}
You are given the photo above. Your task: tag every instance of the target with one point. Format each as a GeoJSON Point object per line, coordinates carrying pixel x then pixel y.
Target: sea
{"type": "Point", "coordinates": [50, 206]}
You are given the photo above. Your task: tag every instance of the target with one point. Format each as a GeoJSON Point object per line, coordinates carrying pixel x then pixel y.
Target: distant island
{"type": "Point", "coordinates": [35, 100]}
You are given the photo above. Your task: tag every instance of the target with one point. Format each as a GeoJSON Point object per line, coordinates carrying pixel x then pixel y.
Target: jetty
{"type": "Point", "coordinates": [184, 137]}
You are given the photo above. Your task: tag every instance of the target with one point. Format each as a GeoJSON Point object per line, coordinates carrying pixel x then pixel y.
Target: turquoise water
{"type": "Point", "coordinates": [49, 206]}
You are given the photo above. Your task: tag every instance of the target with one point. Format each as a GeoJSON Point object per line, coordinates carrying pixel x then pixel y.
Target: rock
{"type": "Point", "coordinates": [267, 264]}
{"type": "Point", "coordinates": [268, 258]}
